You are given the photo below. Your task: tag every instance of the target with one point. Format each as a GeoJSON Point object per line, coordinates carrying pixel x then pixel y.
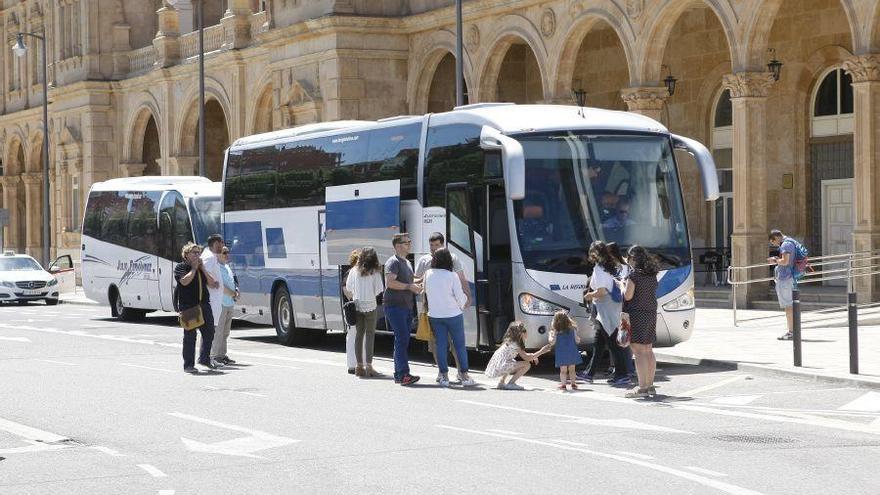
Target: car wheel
{"type": "Point", "coordinates": [51, 302]}
{"type": "Point", "coordinates": [22, 302]}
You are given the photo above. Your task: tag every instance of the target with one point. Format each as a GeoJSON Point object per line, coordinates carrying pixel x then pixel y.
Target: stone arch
{"type": "Point", "coordinates": [573, 39]}
{"type": "Point", "coordinates": [709, 92]}
{"type": "Point", "coordinates": [140, 147]}
{"type": "Point", "coordinates": [262, 110]}
{"type": "Point", "coordinates": [512, 30]}
{"type": "Point", "coordinates": [14, 160]}
{"type": "Point", "coordinates": [145, 105]}
{"type": "Point", "coordinates": [659, 29]}
{"type": "Point", "coordinates": [34, 154]}
{"type": "Point", "coordinates": [428, 55]}
{"type": "Point", "coordinates": [442, 91]}
{"type": "Point", "coordinates": [217, 136]}
{"type": "Point", "coordinates": [759, 24]}
{"type": "Point", "coordinates": [188, 120]}
{"type": "Point", "coordinates": [874, 22]}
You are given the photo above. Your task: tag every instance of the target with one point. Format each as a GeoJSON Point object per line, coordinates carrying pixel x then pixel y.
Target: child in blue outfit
{"type": "Point", "coordinates": [564, 337]}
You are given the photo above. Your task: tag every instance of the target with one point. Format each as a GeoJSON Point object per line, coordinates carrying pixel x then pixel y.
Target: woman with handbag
{"type": "Point", "coordinates": [446, 300]}
{"type": "Point", "coordinates": [349, 313]}
{"type": "Point", "coordinates": [607, 300]}
{"type": "Point", "coordinates": [363, 285]}
{"type": "Point", "coordinates": [194, 306]}
{"type": "Point", "coordinates": [640, 296]}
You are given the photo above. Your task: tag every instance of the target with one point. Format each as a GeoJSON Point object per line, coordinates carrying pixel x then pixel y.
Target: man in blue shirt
{"type": "Point", "coordinates": [783, 275]}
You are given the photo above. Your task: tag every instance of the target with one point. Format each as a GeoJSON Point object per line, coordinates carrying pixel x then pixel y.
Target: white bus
{"type": "Point", "coordinates": [132, 235]}
{"type": "Point", "coordinates": [519, 190]}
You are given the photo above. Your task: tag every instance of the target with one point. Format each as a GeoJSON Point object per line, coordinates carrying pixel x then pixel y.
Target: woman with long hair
{"type": "Point", "coordinates": [363, 284]}
{"type": "Point", "coordinates": [640, 296]}
{"type": "Point", "coordinates": [614, 252]}
{"type": "Point", "coordinates": [604, 292]}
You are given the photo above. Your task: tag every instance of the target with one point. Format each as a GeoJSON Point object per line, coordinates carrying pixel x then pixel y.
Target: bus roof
{"type": "Point", "coordinates": [508, 118]}
{"type": "Point", "coordinates": [186, 185]}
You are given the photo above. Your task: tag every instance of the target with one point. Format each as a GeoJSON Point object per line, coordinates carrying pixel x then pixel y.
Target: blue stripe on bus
{"type": "Point", "coordinates": [672, 280]}
{"type": "Point", "coordinates": [304, 282]}
{"type": "Point", "coordinates": [245, 240]}
{"type": "Point", "coordinates": [363, 213]}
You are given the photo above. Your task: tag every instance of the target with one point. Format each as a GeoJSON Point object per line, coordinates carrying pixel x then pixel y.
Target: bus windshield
{"type": "Point", "coordinates": [581, 187]}
{"type": "Point", "coordinates": [205, 213]}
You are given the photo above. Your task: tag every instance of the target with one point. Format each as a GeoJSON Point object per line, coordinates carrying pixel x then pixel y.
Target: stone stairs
{"type": "Point", "coordinates": [813, 298]}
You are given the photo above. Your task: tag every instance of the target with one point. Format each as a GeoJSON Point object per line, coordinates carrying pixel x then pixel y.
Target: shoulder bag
{"type": "Point", "coordinates": [192, 318]}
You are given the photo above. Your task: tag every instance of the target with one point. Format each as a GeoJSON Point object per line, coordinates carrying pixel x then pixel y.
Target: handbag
{"type": "Point", "coordinates": [624, 332]}
{"type": "Point", "coordinates": [192, 318]}
{"type": "Point", "coordinates": [349, 311]}
{"type": "Point", "coordinates": [423, 331]}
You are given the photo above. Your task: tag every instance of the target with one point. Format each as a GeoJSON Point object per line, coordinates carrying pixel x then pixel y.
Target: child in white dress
{"type": "Point", "coordinates": [504, 364]}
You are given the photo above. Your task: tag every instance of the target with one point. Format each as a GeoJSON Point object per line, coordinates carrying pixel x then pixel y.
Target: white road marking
{"type": "Point", "coordinates": [270, 365]}
{"type": "Point", "coordinates": [152, 471]}
{"type": "Point", "coordinates": [566, 442]}
{"type": "Point", "coordinates": [613, 423]}
{"type": "Point", "coordinates": [29, 433]}
{"type": "Point", "coordinates": [243, 446]}
{"type": "Point", "coordinates": [107, 451]}
{"type": "Point", "coordinates": [636, 455]}
{"type": "Point", "coordinates": [15, 339]}
{"type": "Point", "coordinates": [236, 391]}
{"type": "Point", "coordinates": [718, 485]}
{"type": "Point", "coordinates": [146, 367]}
{"type": "Point", "coordinates": [737, 400]}
{"type": "Point", "coordinates": [57, 362]}
{"type": "Point", "coordinates": [869, 402]}
{"type": "Point", "coordinates": [711, 386]}
{"type": "Point", "coordinates": [506, 432]}
{"type": "Point", "coordinates": [33, 447]}
{"type": "Point", "coordinates": [166, 492]}
{"type": "Point", "coordinates": [708, 472]}
{"type": "Point", "coordinates": [795, 411]}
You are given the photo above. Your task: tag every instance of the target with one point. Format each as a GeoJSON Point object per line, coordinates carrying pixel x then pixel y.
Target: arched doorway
{"type": "Point", "coordinates": [831, 163]}
{"type": "Point", "coordinates": [600, 67]}
{"type": "Point", "coordinates": [216, 139]}
{"type": "Point", "coordinates": [151, 153]}
{"type": "Point", "coordinates": [441, 94]}
{"type": "Point", "coordinates": [519, 77]}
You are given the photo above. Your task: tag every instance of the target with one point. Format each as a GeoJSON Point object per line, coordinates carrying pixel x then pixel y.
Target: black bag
{"type": "Point", "coordinates": [349, 312]}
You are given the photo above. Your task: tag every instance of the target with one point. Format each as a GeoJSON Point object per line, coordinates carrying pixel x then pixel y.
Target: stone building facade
{"type": "Point", "coordinates": [801, 153]}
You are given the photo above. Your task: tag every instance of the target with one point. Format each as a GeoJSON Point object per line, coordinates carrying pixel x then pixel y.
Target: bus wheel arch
{"type": "Point", "coordinates": [118, 309]}
{"type": "Point", "coordinates": [283, 318]}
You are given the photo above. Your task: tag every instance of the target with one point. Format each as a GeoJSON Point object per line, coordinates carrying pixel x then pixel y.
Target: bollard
{"type": "Point", "coordinates": [853, 333]}
{"type": "Point", "coordinates": [796, 325]}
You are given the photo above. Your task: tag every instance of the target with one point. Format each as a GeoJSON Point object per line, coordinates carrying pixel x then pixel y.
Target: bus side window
{"type": "Point", "coordinates": [454, 155]}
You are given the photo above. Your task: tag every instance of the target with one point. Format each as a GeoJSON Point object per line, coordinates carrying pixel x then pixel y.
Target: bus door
{"type": "Point", "coordinates": [331, 298]}
{"type": "Point", "coordinates": [462, 242]}
{"type": "Point", "coordinates": [494, 283]}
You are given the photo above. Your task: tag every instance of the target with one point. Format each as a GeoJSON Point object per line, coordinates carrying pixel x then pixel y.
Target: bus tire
{"type": "Point", "coordinates": [282, 317]}
{"type": "Point", "coordinates": [118, 309]}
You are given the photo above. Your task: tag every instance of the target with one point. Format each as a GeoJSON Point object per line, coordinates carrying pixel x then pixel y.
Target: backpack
{"type": "Point", "coordinates": [801, 259]}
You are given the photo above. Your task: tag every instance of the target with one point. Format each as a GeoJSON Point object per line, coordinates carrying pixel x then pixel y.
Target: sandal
{"type": "Point", "coordinates": [562, 387]}
{"type": "Point", "coordinates": [639, 393]}
{"type": "Point", "coordinates": [574, 386]}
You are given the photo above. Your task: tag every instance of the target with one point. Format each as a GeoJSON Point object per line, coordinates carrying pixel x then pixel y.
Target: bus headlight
{"type": "Point", "coordinates": [681, 303]}
{"type": "Point", "coordinates": [534, 305]}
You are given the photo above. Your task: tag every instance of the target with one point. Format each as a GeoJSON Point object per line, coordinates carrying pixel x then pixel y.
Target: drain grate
{"type": "Point", "coordinates": [757, 439]}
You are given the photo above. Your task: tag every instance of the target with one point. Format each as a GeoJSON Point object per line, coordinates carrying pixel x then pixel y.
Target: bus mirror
{"type": "Point", "coordinates": [705, 163]}
{"type": "Point", "coordinates": [513, 161]}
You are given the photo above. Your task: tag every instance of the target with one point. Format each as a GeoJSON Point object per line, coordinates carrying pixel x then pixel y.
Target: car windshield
{"type": "Point", "coordinates": [205, 213]}
{"type": "Point", "coordinates": [19, 265]}
{"type": "Point", "coordinates": [581, 188]}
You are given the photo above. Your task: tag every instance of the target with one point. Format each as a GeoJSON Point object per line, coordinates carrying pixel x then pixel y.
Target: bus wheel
{"type": "Point", "coordinates": [282, 316]}
{"type": "Point", "coordinates": [121, 312]}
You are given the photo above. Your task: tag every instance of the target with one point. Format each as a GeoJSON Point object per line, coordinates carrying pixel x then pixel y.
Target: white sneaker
{"type": "Point", "coordinates": [439, 377]}
{"type": "Point", "coordinates": [468, 383]}
{"type": "Point", "coordinates": [514, 386]}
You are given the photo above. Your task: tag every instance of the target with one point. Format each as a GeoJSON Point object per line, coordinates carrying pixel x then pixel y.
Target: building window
{"type": "Point", "coordinates": [833, 105]}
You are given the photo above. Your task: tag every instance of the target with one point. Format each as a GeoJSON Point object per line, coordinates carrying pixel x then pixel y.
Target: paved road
{"type": "Point", "coordinates": [94, 406]}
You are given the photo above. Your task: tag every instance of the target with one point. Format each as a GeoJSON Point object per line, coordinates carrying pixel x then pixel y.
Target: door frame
{"type": "Point", "coordinates": [824, 203]}
{"type": "Point", "coordinates": [470, 251]}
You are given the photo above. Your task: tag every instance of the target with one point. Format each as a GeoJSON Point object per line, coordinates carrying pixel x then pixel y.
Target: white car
{"type": "Point", "coordinates": [22, 279]}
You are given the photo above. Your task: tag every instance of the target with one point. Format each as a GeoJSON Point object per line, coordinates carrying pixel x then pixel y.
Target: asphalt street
{"type": "Point", "coordinates": [93, 406]}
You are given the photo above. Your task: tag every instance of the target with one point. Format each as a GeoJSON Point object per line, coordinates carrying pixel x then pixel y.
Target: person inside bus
{"type": "Point", "coordinates": [398, 304]}
{"type": "Point", "coordinates": [224, 326]}
{"type": "Point", "coordinates": [212, 266]}
{"type": "Point", "coordinates": [534, 226]}
{"type": "Point", "coordinates": [616, 227]}
{"type": "Point", "coordinates": [192, 290]}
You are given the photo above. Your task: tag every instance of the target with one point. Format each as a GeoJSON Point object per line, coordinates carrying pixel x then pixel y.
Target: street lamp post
{"type": "Point", "coordinates": [20, 49]}
{"type": "Point", "coordinates": [200, 20]}
{"type": "Point", "coordinates": [459, 56]}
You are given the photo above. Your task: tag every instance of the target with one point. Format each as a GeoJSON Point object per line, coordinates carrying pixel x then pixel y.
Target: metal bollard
{"type": "Point", "coordinates": [796, 325]}
{"type": "Point", "coordinates": [852, 309]}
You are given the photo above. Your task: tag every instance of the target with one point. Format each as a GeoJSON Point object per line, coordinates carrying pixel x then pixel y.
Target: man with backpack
{"type": "Point", "coordinates": [790, 266]}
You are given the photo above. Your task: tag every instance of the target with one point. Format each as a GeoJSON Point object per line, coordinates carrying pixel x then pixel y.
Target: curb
{"type": "Point", "coordinates": [79, 302]}
{"type": "Point", "coordinates": [771, 371]}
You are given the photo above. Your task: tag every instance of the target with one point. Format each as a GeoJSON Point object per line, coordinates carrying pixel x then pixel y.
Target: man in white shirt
{"type": "Point", "coordinates": [213, 267]}
{"type": "Point", "coordinates": [435, 242]}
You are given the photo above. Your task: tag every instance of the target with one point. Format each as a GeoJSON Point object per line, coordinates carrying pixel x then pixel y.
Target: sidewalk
{"type": "Point", "coordinates": [78, 297]}
{"type": "Point", "coordinates": [753, 345]}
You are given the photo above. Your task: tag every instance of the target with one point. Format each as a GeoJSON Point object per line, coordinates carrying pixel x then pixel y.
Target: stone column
{"type": "Point", "coordinates": [647, 101]}
{"type": "Point", "coordinates": [182, 165]}
{"type": "Point", "coordinates": [10, 202]}
{"type": "Point", "coordinates": [236, 25]}
{"type": "Point", "coordinates": [865, 72]}
{"type": "Point", "coordinates": [166, 41]}
{"type": "Point", "coordinates": [748, 95]}
{"type": "Point", "coordinates": [33, 210]}
{"type": "Point", "coordinates": [132, 169]}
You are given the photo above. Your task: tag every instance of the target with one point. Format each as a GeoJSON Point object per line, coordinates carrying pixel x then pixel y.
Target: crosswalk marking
{"type": "Point", "coordinates": [737, 400]}
{"type": "Point", "coordinates": [869, 402]}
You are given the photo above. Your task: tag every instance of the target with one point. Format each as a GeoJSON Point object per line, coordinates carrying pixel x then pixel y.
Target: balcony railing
{"type": "Point", "coordinates": [142, 59]}
{"type": "Point", "coordinates": [258, 23]}
{"type": "Point", "coordinates": [189, 43]}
